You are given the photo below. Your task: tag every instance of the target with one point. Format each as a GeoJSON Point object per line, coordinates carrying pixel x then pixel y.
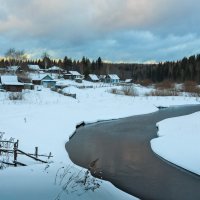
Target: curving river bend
{"type": "Point", "coordinates": [126, 159]}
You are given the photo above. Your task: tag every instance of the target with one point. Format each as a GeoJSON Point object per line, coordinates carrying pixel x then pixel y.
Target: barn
{"type": "Point", "coordinates": [10, 83]}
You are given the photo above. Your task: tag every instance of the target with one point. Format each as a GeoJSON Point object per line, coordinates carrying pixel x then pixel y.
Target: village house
{"type": "Point", "coordinates": [72, 75]}
{"type": "Point", "coordinates": [93, 78]}
{"type": "Point", "coordinates": [112, 78]}
{"type": "Point", "coordinates": [43, 79]}
{"type": "Point", "coordinates": [55, 69]}
{"type": "Point", "coordinates": [10, 83]}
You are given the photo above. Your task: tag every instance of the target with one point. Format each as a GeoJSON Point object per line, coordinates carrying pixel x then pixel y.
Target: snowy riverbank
{"type": "Point", "coordinates": [179, 140]}
{"type": "Point", "coordinates": [46, 119]}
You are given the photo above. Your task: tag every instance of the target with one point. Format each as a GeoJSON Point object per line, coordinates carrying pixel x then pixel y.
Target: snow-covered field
{"type": "Point", "coordinates": [46, 119]}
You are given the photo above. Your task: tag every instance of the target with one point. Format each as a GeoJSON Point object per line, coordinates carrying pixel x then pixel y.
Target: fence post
{"type": "Point", "coordinates": [36, 152]}
{"type": "Point", "coordinates": [49, 155]}
{"type": "Point", "coordinates": [15, 152]}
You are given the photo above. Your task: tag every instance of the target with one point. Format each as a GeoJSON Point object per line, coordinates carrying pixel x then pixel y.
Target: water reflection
{"type": "Point", "coordinates": [126, 159]}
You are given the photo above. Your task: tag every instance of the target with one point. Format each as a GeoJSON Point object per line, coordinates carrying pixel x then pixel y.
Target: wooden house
{"type": "Point", "coordinates": [93, 78]}
{"type": "Point", "coordinates": [72, 75]}
{"type": "Point", "coordinates": [112, 78]}
{"type": "Point", "coordinates": [10, 83]}
{"type": "Point", "coordinates": [43, 79]}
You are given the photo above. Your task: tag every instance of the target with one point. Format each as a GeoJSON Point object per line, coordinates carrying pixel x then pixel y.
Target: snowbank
{"type": "Point", "coordinates": [178, 141]}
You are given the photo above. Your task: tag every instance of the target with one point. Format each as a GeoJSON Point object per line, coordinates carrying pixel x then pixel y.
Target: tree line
{"type": "Point", "coordinates": [177, 71]}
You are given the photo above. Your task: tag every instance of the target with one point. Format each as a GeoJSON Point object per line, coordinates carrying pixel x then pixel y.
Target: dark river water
{"type": "Point", "coordinates": [124, 156]}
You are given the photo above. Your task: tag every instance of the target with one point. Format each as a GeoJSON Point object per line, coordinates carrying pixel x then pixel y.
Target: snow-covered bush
{"type": "Point", "coordinates": [129, 90]}
{"type": "Point", "coordinates": [15, 96]}
{"type": "Point", "coordinates": [113, 90]}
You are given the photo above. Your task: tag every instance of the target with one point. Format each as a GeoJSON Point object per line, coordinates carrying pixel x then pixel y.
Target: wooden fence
{"type": "Point", "coordinates": [5, 147]}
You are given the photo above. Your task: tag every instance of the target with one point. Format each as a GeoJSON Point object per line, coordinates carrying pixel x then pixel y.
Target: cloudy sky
{"type": "Point", "coordinates": [116, 30]}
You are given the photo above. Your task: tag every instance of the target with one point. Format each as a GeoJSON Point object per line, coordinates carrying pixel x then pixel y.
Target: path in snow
{"type": "Point", "coordinates": [127, 160]}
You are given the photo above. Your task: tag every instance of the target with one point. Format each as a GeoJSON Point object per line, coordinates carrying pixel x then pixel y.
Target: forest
{"type": "Point", "coordinates": [187, 69]}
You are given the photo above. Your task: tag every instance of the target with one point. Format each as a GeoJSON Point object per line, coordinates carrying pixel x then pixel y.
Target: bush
{"type": "Point", "coordinates": [192, 88]}
{"type": "Point", "coordinates": [72, 180]}
{"type": "Point", "coordinates": [129, 90]}
{"type": "Point", "coordinates": [165, 85]}
{"type": "Point", "coordinates": [113, 91]}
{"type": "Point", "coordinates": [163, 93]}
{"type": "Point", "coordinates": [15, 96]}
{"type": "Point", "coordinates": [189, 86]}
{"type": "Point", "coordinates": [145, 83]}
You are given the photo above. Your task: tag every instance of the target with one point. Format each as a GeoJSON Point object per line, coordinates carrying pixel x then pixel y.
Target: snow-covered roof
{"type": "Point", "coordinates": [128, 80]}
{"type": "Point", "coordinates": [34, 67]}
{"type": "Point", "coordinates": [54, 68]}
{"type": "Point", "coordinates": [114, 76]}
{"type": "Point", "coordinates": [45, 80]}
{"type": "Point", "coordinates": [10, 80]}
{"type": "Point", "coordinates": [93, 77]}
{"type": "Point", "coordinates": [102, 76]}
{"type": "Point", "coordinates": [75, 73]}
{"type": "Point", "coordinates": [39, 77]}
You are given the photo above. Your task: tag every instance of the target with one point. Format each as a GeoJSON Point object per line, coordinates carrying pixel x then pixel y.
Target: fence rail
{"type": "Point", "coordinates": [16, 151]}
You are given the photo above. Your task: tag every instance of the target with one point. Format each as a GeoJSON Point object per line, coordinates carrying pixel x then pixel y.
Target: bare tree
{"type": "Point", "coordinates": [46, 59]}
{"type": "Point", "coordinates": [15, 57]}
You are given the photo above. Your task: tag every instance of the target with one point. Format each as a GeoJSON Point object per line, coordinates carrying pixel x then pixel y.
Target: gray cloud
{"type": "Point", "coordinates": [114, 29]}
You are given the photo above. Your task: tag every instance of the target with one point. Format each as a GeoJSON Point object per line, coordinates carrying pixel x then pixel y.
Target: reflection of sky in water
{"type": "Point", "coordinates": [125, 156]}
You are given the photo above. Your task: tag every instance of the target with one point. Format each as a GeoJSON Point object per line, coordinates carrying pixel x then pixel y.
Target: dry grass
{"type": "Point", "coordinates": [164, 92]}
{"type": "Point", "coordinates": [129, 91]}
{"type": "Point", "coordinates": [192, 88]}
{"type": "Point", "coordinates": [165, 85]}
{"type": "Point", "coordinates": [145, 82]}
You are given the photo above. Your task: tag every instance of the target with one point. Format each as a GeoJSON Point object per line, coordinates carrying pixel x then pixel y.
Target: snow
{"type": "Point", "coordinates": [71, 90]}
{"type": "Point", "coordinates": [54, 68]}
{"type": "Point", "coordinates": [178, 141]}
{"type": "Point", "coordinates": [34, 67]}
{"type": "Point", "coordinates": [46, 119]}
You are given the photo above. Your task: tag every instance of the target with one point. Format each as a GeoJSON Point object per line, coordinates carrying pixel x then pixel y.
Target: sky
{"type": "Point", "coordinates": [116, 30]}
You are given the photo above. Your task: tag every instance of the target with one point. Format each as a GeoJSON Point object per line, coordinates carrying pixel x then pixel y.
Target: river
{"type": "Point", "coordinates": [124, 156]}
